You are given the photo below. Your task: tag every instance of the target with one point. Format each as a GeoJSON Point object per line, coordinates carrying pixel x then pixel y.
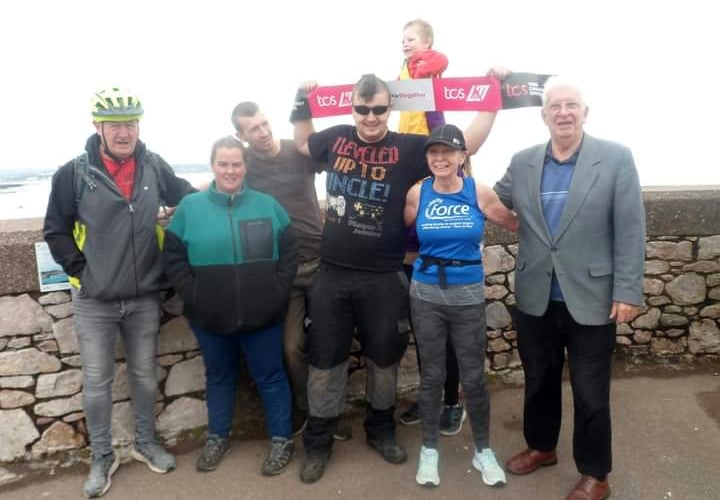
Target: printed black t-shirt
{"type": "Point", "coordinates": [366, 188]}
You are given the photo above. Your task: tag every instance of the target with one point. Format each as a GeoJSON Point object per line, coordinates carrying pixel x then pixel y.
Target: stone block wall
{"type": "Point", "coordinates": [680, 318]}
{"type": "Point", "coordinates": [41, 419]}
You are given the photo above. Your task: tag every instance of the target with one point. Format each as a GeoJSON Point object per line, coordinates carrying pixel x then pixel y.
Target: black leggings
{"type": "Point", "coordinates": [452, 379]}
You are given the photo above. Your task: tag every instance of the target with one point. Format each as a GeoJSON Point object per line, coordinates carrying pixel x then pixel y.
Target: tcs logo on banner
{"type": "Point", "coordinates": [340, 100]}
{"type": "Point", "coordinates": [523, 89]}
{"type": "Point", "coordinates": [475, 93]}
{"type": "Point", "coordinates": [516, 90]}
{"type": "Point", "coordinates": [478, 93]}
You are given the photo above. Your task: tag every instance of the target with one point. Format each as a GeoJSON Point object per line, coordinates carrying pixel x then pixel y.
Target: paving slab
{"type": "Point", "coordinates": [666, 447]}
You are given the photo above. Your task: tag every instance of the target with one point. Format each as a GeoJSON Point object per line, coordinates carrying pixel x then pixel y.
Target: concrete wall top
{"type": "Point", "coordinates": [671, 211]}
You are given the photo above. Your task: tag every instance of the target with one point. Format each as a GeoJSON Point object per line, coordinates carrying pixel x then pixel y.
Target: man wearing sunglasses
{"type": "Point", "coordinates": [360, 285]}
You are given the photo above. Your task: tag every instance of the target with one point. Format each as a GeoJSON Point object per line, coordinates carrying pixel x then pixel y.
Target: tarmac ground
{"type": "Point", "coordinates": [666, 443]}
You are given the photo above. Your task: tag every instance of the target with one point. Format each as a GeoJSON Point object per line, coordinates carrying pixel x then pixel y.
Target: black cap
{"type": "Point", "coordinates": [449, 135]}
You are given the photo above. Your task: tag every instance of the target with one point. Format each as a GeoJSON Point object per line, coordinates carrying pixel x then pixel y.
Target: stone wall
{"type": "Point", "coordinates": [41, 419]}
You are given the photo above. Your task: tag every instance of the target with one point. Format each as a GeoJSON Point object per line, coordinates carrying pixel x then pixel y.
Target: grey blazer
{"type": "Point", "coordinates": [599, 251]}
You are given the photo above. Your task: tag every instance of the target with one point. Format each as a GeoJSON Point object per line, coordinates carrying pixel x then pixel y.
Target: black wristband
{"type": "Point", "coordinates": [301, 107]}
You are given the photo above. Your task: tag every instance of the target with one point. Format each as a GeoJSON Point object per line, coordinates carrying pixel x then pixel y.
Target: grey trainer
{"type": "Point", "coordinates": [281, 452]}
{"type": "Point", "coordinates": [212, 453]}
{"type": "Point", "coordinates": [98, 481]}
{"type": "Point", "coordinates": [154, 456]}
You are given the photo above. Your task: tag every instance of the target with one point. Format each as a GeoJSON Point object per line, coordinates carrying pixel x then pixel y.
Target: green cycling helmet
{"type": "Point", "coordinates": [115, 104]}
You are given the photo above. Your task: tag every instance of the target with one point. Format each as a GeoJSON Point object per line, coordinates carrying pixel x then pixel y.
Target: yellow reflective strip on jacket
{"type": "Point", "coordinates": [160, 233]}
{"type": "Point", "coordinates": [412, 122]}
{"type": "Point", "coordinates": [79, 234]}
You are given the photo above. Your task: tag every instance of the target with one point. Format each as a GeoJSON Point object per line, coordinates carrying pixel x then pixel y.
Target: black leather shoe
{"type": "Point", "coordinates": [313, 467]}
{"type": "Point", "coordinates": [388, 449]}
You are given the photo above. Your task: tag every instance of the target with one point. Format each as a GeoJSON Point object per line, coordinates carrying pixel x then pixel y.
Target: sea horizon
{"type": "Point", "coordinates": [24, 191]}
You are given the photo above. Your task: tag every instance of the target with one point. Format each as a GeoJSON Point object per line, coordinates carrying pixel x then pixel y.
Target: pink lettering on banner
{"type": "Point", "coordinates": [480, 93]}
{"type": "Point", "coordinates": [331, 101]}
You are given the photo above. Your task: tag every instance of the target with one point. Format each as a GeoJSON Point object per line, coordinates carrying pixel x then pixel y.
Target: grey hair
{"type": "Point", "coordinates": [555, 82]}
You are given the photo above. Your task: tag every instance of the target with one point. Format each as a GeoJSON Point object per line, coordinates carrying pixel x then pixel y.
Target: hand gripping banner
{"type": "Point", "coordinates": [475, 93]}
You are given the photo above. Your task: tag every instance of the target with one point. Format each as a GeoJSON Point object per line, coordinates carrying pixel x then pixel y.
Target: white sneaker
{"type": "Point", "coordinates": [427, 473]}
{"type": "Point", "coordinates": [486, 463]}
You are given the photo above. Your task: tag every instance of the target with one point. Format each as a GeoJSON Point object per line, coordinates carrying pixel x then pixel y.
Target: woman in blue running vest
{"type": "Point", "coordinates": [447, 294]}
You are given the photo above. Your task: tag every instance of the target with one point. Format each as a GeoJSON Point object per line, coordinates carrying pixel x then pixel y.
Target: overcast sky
{"type": "Point", "coordinates": [650, 71]}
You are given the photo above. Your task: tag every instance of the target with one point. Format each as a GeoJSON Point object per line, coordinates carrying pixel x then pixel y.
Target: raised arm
{"type": "Point", "coordinates": [479, 129]}
{"type": "Point", "coordinates": [494, 210]}
{"type": "Point", "coordinates": [301, 118]}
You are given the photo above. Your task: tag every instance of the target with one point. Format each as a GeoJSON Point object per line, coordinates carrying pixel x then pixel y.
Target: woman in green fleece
{"type": "Point", "coordinates": [230, 253]}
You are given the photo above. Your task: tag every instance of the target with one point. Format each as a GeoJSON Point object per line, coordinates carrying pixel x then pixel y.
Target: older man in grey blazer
{"type": "Point", "coordinates": [579, 272]}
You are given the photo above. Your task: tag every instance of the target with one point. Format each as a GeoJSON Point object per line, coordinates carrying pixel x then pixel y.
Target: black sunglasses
{"type": "Point", "coordinates": [361, 109]}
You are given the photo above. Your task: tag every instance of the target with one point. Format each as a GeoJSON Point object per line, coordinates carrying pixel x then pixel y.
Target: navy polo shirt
{"type": "Point", "coordinates": [554, 187]}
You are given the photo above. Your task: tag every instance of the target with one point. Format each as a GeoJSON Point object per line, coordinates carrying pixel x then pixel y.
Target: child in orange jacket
{"type": "Point", "coordinates": [420, 62]}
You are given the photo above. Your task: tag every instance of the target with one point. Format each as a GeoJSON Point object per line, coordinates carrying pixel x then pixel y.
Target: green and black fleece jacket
{"type": "Point", "coordinates": [232, 259]}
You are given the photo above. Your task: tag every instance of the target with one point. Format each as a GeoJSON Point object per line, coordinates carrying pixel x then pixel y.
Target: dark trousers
{"type": "Point", "coordinates": [263, 353]}
{"type": "Point", "coordinates": [437, 325]}
{"type": "Point", "coordinates": [376, 305]}
{"type": "Point", "coordinates": [343, 300]}
{"type": "Point", "coordinates": [542, 342]}
{"type": "Point", "coordinates": [451, 394]}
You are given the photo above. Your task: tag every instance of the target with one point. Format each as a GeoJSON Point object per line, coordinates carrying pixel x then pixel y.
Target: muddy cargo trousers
{"type": "Point", "coordinates": [375, 304]}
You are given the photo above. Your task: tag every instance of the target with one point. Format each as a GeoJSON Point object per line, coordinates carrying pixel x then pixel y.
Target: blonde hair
{"type": "Point", "coordinates": [466, 167]}
{"type": "Point", "coordinates": [425, 29]}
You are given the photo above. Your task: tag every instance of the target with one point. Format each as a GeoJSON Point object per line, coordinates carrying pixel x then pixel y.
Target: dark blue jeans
{"type": "Point", "coordinates": [263, 351]}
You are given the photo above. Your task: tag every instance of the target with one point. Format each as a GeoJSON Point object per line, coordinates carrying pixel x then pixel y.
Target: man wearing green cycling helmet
{"type": "Point", "coordinates": [101, 227]}
{"type": "Point", "coordinates": [116, 115]}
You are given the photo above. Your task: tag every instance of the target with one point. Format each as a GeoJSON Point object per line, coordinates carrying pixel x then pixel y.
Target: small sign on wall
{"type": "Point", "coordinates": [50, 275]}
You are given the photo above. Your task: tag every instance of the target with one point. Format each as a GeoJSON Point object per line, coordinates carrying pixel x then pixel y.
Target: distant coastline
{"type": "Point", "coordinates": [24, 192]}
{"type": "Point", "coordinates": [14, 177]}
